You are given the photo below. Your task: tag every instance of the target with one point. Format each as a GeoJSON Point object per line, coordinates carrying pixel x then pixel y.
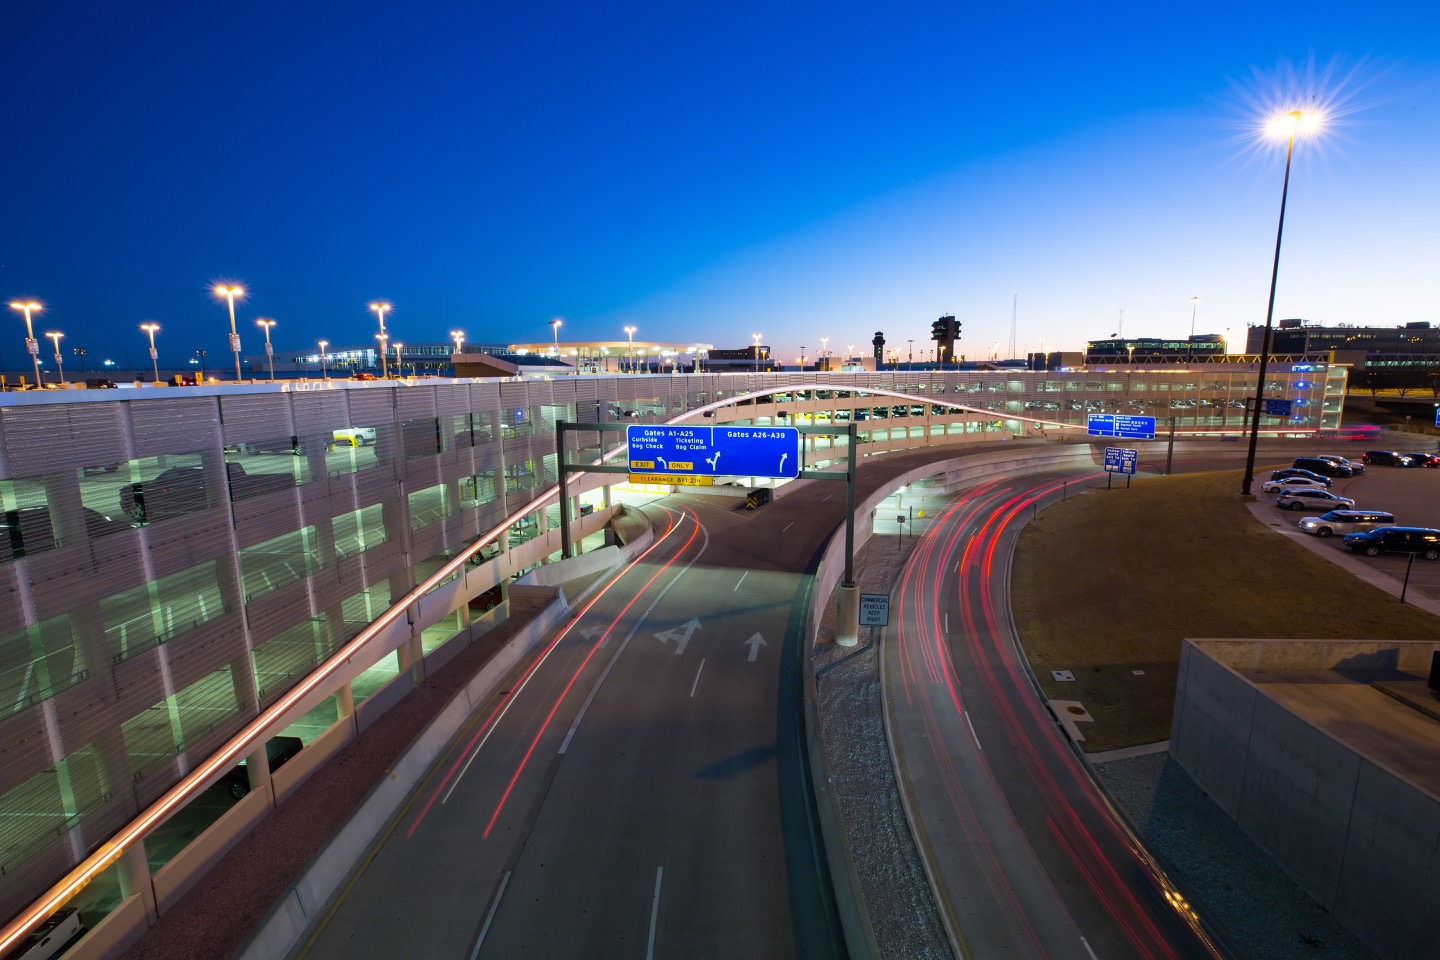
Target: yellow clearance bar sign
{"type": "Point", "coordinates": [673, 479]}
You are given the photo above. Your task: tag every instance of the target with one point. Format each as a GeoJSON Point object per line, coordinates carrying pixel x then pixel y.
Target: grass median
{"type": "Point", "coordinates": [1109, 583]}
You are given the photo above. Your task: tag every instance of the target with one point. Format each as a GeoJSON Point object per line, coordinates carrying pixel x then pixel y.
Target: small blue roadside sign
{"type": "Point", "coordinates": [1119, 425]}
{"type": "Point", "coordinates": [1120, 460]}
{"type": "Point", "coordinates": [1277, 408]}
{"type": "Point", "coordinates": [714, 451]}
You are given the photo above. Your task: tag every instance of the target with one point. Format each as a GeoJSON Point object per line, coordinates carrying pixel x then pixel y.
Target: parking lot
{"type": "Point", "coordinates": [1407, 492]}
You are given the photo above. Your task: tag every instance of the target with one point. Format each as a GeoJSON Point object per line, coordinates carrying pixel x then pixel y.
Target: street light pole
{"type": "Point", "coordinates": [150, 328]}
{"type": "Point", "coordinates": [399, 370]}
{"type": "Point", "coordinates": [555, 329]}
{"type": "Point", "coordinates": [269, 352]}
{"type": "Point", "coordinates": [379, 309]}
{"type": "Point", "coordinates": [59, 360]}
{"type": "Point", "coordinates": [230, 293]}
{"type": "Point", "coordinates": [324, 374]}
{"type": "Point", "coordinates": [31, 344]}
{"type": "Point", "coordinates": [756, 338]}
{"type": "Point", "coordinates": [630, 332]}
{"type": "Point", "coordinates": [1190, 344]}
{"type": "Point", "coordinates": [1293, 120]}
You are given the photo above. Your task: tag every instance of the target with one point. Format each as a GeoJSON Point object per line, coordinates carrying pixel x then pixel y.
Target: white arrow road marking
{"type": "Point", "coordinates": [681, 637]}
{"type": "Point", "coordinates": [755, 642]}
{"type": "Point", "coordinates": [615, 657]}
{"type": "Point", "coordinates": [589, 633]}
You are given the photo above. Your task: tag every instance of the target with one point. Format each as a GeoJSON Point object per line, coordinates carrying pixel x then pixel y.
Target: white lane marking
{"type": "Point", "coordinates": [788, 526]}
{"type": "Point", "coordinates": [741, 580]}
{"type": "Point", "coordinates": [494, 905]}
{"type": "Point", "coordinates": [1088, 950]}
{"type": "Point", "coordinates": [947, 624]}
{"type": "Point", "coordinates": [826, 497]}
{"type": "Point", "coordinates": [697, 677]}
{"type": "Point", "coordinates": [569, 734]}
{"type": "Point", "coordinates": [654, 914]}
{"type": "Point", "coordinates": [956, 568]}
{"type": "Point", "coordinates": [972, 730]}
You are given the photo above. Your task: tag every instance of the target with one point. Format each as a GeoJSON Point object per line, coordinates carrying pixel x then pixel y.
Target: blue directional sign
{"type": "Point", "coordinates": [1120, 460]}
{"type": "Point", "coordinates": [714, 451]}
{"type": "Point", "coordinates": [1277, 408]}
{"type": "Point", "coordinates": [1118, 425]}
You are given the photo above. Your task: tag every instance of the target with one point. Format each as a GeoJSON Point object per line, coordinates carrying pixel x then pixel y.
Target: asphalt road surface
{"type": "Point", "coordinates": [1028, 858]}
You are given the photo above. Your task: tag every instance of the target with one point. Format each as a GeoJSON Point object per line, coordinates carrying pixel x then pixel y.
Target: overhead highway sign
{"type": "Point", "coordinates": [680, 450]}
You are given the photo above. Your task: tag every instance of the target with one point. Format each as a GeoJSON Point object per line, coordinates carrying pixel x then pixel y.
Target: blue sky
{"type": "Point", "coordinates": [803, 170]}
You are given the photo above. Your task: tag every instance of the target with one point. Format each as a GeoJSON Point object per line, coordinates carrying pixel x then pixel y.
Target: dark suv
{"type": "Point", "coordinates": [1386, 458]}
{"type": "Point", "coordinates": [1372, 543]}
{"type": "Point", "coordinates": [1326, 467]}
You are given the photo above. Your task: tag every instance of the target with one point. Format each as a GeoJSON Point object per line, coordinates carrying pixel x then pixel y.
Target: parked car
{"type": "Point", "coordinates": [1386, 458]}
{"type": "Point", "coordinates": [353, 437]}
{"type": "Point", "coordinates": [1294, 483]}
{"type": "Point", "coordinates": [1421, 540]}
{"type": "Point", "coordinates": [1326, 468]}
{"type": "Point", "coordinates": [280, 750]}
{"type": "Point", "coordinates": [52, 938]}
{"type": "Point", "coordinates": [181, 490]}
{"type": "Point", "coordinates": [29, 530]}
{"type": "Point", "coordinates": [1346, 521]}
{"type": "Point", "coordinates": [1310, 498]}
{"type": "Point", "coordinates": [1297, 472]}
{"type": "Point", "coordinates": [1423, 459]}
{"type": "Point", "coordinates": [1355, 466]}
{"type": "Point", "coordinates": [360, 375]}
{"type": "Point", "coordinates": [100, 383]}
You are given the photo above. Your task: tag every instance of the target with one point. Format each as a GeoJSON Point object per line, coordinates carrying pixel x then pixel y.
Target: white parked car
{"type": "Point", "coordinates": [1291, 483]}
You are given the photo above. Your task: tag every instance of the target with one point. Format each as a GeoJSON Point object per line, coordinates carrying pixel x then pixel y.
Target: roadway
{"type": "Point", "coordinates": [636, 790]}
{"type": "Point", "coordinates": [1028, 858]}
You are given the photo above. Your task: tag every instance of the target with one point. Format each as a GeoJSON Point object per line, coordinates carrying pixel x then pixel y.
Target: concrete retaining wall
{"type": "Point", "coordinates": [1362, 841]}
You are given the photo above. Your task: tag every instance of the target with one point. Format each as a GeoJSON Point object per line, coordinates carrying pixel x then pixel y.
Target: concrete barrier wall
{"type": "Point", "coordinates": [288, 919]}
{"type": "Point", "coordinates": [187, 867]}
{"type": "Point", "coordinates": [115, 934]}
{"type": "Point", "coordinates": [1364, 843]}
{"type": "Point", "coordinates": [317, 752]}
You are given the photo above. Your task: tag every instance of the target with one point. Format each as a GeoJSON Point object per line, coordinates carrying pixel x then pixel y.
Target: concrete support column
{"type": "Point", "coordinates": [257, 769]}
{"type": "Point", "coordinates": [134, 873]}
{"type": "Point", "coordinates": [847, 614]}
{"type": "Point", "coordinates": [345, 700]}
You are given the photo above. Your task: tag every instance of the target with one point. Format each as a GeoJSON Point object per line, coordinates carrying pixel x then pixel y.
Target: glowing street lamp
{"type": "Point", "coordinates": [269, 352]}
{"type": "Point", "coordinates": [31, 344]}
{"type": "Point", "coordinates": [849, 352]}
{"type": "Point", "coordinates": [630, 332]}
{"type": "Point", "coordinates": [824, 343]}
{"type": "Point", "coordinates": [324, 375]}
{"type": "Point", "coordinates": [380, 307]}
{"type": "Point", "coordinates": [1287, 126]}
{"type": "Point", "coordinates": [59, 360]}
{"type": "Point", "coordinates": [555, 329]}
{"type": "Point", "coordinates": [230, 293]}
{"type": "Point", "coordinates": [398, 371]}
{"type": "Point", "coordinates": [384, 358]}
{"type": "Point", "coordinates": [756, 338]}
{"type": "Point", "coordinates": [150, 328]}
{"type": "Point", "coordinates": [459, 337]}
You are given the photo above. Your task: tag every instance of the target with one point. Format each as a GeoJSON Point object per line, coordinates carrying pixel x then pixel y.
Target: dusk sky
{"type": "Point", "coordinates": [800, 170]}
